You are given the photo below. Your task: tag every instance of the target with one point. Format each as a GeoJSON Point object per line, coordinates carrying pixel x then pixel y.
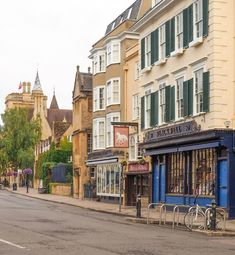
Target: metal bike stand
{"type": "Point", "coordinates": [163, 206]}
{"type": "Point", "coordinates": [175, 210]}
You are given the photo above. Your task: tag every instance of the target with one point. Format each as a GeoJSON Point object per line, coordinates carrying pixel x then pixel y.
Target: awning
{"type": "Point", "coordinates": [101, 161]}
{"type": "Point", "coordinates": [181, 148]}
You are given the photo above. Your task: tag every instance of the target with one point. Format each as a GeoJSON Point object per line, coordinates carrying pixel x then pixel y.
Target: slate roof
{"type": "Point", "coordinates": [130, 13]}
{"type": "Point", "coordinates": [59, 115]}
{"type": "Point", "coordinates": [54, 104]}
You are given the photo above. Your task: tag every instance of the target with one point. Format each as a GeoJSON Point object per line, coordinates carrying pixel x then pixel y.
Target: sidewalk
{"type": "Point", "coordinates": [129, 212]}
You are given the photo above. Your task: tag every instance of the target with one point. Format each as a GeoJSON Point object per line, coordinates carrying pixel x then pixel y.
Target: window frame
{"type": "Point", "coordinates": [162, 42]}
{"type": "Point", "coordinates": [179, 102]}
{"type": "Point", "coordinates": [147, 107]}
{"type": "Point", "coordinates": [179, 31]}
{"type": "Point", "coordinates": [133, 148]}
{"type": "Point", "coordinates": [97, 135]}
{"type": "Point", "coordinates": [97, 99]}
{"type": "Point", "coordinates": [109, 128]}
{"type": "Point", "coordinates": [197, 19]}
{"type": "Point", "coordinates": [135, 106]}
{"type": "Point", "coordinates": [110, 92]}
{"type": "Point", "coordinates": [162, 102]}
{"type": "Point", "coordinates": [113, 52]}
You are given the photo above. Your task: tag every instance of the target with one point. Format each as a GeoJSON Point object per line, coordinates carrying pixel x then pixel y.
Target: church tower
{"type": "Point", "coordinates": [40, 101]}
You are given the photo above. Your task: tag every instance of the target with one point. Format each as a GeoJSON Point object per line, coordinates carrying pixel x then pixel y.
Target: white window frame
{"type": "Point", "coordinates": [162, 102]}
{"type": "Point", "coordinates": [147, 107]}
{"type": "Point", "coordinates": [111, 117]}
{"type": "Point", "coordinates": [179, 32]}
{"type": "Point", "coordinates": [113, 52]}
{"type": "Point", "coordinates": [198, 90]}
{"type": "Point", "coordinates": [99, 64]}
{"type": "Point", "coordinates": [147, 50]}
{"type": "Point", "coordinates": [162, 42]}
{"type": "Point", "coordinates": [98, 136]}
{"type": "Point", "coordinates": [155, 2]}
{"type": "Point", "coordinates": [198, 19]}
{"type": "Point", "coordinates": [135, 106]}
{"type": "Point", "coordinates": [137, 70]}
{"type": "Point", "coordinates": [111, 92]}
{"type": "Point", "coordinates": [133, 148]}
{"type": "Point", "coordinates": [97, 98]}
{"type": "Point", "coordinates": [95, 64]}
{"type": "Point", "coordinates": [179, 89]}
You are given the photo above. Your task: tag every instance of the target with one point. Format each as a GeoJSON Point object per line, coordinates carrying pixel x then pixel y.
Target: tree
{"type": "Point", "coordinates": [18, 137]}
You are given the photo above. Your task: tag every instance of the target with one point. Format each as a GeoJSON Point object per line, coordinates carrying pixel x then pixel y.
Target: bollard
{"type": "Point", "coordinates": [213, 215]}
{"type": "Point", "coordinates": [138, 206]}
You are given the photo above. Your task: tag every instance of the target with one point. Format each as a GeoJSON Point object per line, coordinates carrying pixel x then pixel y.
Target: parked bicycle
{"type": "Point", "coordinates": [199, 218]}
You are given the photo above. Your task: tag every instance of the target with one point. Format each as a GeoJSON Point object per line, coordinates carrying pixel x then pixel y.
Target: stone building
{"type": "Point", "coordinates": [82, 131]}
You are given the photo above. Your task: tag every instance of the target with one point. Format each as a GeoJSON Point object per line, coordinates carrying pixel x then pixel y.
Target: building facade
{"type": "Point", "coordinates": [187, 100]}
{"type": "Point", "coordinates": [109, 100]}
{"type": "Point", "coordinates": [82, 132]}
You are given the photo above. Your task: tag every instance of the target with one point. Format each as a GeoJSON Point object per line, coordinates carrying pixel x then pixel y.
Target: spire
{"type": "Point", "coordinates": [37, 84]}
{"type": "Point", "coordinates": [54, 104]}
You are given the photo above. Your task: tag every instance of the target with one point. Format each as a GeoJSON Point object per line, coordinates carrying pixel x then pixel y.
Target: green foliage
{"type": "Point", "coordinates": [18, 137]}
{"type": "Point", "coordinates": [65, 145]}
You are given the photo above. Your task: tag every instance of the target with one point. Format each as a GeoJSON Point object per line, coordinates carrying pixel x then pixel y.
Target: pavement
{"type": "Point", "coordinates": [127, 211]}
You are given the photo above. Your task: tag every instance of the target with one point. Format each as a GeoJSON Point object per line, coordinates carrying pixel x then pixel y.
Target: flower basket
{"type": "Point", "coordinates": [27, 171]}
{"type": "Point", "coordinates": [15, 174]}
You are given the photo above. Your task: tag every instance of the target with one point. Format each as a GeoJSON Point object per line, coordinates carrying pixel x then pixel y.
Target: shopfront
{"type": "Point", "coordinates": [137, 183]}
{"type": "Point", "coordinates": [188, 162]}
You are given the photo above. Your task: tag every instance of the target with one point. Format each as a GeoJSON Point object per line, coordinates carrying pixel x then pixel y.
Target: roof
{"type": "Point", "coordinates": [54, 104]}
{"type": "Point", "coordinates": [59, 115]}
{"type": "Point", "coordinates": [130, 13]}
{"type": "Point", "coordinates": [82, 83]}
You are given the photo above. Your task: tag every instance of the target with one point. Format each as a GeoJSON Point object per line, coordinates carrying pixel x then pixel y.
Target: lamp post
{"type": "Point", "coordinates": [120, 186]}
{"type": "Point", "coordinates": [27, 171]}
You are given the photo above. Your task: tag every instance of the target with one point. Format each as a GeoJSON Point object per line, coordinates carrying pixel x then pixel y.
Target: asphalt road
{"type": "Point", "coordinates": [31, 226]}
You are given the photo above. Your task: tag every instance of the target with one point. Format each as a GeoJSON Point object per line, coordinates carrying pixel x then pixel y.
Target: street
{"type": "Point", "coordinates": [31, 226]}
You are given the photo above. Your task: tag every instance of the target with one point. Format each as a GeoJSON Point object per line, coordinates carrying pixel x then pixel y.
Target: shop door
{"type": "Point", "coordinates": [223, 183]}
{"type": "Point", "coordinates": [155, 185]}
{"type": "Point", "coordinates": [162, 182]}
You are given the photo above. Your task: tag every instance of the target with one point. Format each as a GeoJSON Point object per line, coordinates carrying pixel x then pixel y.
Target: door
{"type": "Point", "coordinates": [155, 192]}
{"type": "Point", "coordinates": [162, 182]}
{"type": "Point", "coordinates": [223, 183]}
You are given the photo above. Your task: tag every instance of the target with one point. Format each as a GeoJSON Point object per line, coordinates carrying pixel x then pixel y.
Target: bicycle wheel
{"type": "Point", "coordinates": [194, 220]}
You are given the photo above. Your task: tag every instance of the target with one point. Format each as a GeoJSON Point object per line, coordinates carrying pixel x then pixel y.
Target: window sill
{"type": "Point", "coordinates": [108, 105]}
{"type": "Point", "coordinates": [146, 69]}
{"type": "Point", "coordinates": [196, 42]}
{"type": "Point", "coordinates": [177, 52]}
{"type": "Point", "coordinates": [161, 62]}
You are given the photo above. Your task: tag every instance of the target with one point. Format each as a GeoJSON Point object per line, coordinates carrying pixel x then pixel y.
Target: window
{"type": "Point", "coordinates": [98, 97]}
{"type": "Point", "coordinates": [162, 42]}
{"type": "Point", "coordinates": [113, 91]}
{"type": "Point", "coordinates": [112, 117]}
{"type": "Point", "coordinates": [155, 2]}
{"type": "Point", "coordinates": [198, 19]}
{"type": "Point", "coordinates": [89, 143]}
{"type": "Point", "coordinates": [108, 179]}
{"type": "Point", "coordinates": [162, 102]}
{"type": "Point", "coordinates": [69, 138]}
{"type": "Point", "coordinates": [199, 178]}
{"type": "Point", "coordinates": [98, 133]}
{"type": "Point", "coordinates": [137, 70]}
{"type": "Point", "coordinates": [135, 107]}
{"type": "Point", "coordinates": [133, 147]}
{"type": "Point", "coordinates": [147, 108]}
{"type": "Point", "coordinates": [99, 62]}
{"type": "Point", "coordinates": [113, 53]}
{"type": "Point", "coordinates": [179, 97]}
{"type": "Point", "coordinates": [198, 88]}
{"type": "Point", "coordinates": [148, 50]}
{"type": "Point", "coordinates": [179, 31]}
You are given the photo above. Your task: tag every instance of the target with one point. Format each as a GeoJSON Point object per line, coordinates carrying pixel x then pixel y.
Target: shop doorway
{"type": "Point", "coordinates": [222, 183]}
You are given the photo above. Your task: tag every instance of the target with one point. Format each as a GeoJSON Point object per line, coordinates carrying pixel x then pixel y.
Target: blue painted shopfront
{"type": "Point", "coordinates": [222, 182]}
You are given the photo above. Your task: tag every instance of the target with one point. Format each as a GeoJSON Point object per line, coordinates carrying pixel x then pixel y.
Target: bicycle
{"type": "Point", "coordinates": [196, 218]}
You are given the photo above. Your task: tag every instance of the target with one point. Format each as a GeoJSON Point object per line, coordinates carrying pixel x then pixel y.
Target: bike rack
{"type": "Point", "coordinates": [148, 210]}
{"type": "Point", "coordinates": [176, 210]}
{"type": "Point", "coordinates": [163, 206]}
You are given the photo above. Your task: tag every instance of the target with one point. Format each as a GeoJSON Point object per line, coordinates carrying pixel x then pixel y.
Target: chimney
{"type": "Point", "coordinates": [89, 70]}
{"type": "Point", "coordinates": [77, 68]}
{"type": "Point", "coordinates": [28, 87]}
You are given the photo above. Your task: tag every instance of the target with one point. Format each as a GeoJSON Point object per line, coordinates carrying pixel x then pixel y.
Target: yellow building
{"type": "Point", "coordinates": [109, 90]}
{"type": "Point", "coordinates": [55, 122]}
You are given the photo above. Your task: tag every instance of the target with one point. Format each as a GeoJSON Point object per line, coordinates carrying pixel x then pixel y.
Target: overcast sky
{"type": "Point", "coordinates": [54, 36]}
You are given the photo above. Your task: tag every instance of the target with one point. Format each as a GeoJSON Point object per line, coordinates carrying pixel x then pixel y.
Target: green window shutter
{"type": "Point", "coordinates": [185, 28]}
{"type": "Point", "coordinates": [152, 47]}
{"type": "Point", "coordinates": [142, 112]}
{"type": "Point", "coordinates": [206, 91]}
{"type": "Point", "coordinates": [172, 34]}
{"type": "Point", "coordinates": [154, 109]}
{"type": "Point", "coordinates": [168, 38]}
{"type": "Point", "coordinates": [143, 53]}
{"type": "Point", "coordinates": [205, 17]}
{"type": "Point", "coordinates": [157, 44]}
{"type": "Point", "coordinates": [172, 117]}
{"type": "Point", "coordinates": [190, 23]}
{"type": "Point", "coordinates": [168, 103]}
{"type": "Point", "coordinates": [190, 97]}
{"type": "Point", "coordinates": [185, 98]}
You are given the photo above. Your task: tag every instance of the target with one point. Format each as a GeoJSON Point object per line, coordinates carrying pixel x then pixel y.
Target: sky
{"type": "Point", "coordinates": [53, 36]}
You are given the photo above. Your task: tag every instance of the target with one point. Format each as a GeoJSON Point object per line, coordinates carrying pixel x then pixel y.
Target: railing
{"type": "Point", "coordinates": [148, 210]}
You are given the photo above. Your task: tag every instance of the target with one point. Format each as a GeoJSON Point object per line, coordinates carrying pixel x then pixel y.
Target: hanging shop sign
{"type": "Point", "coordinates": [171, 131]}
{"type": "Point", "coordinates": [137, 167]}
{"type": "Point", "coordinates": [121, 137]}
